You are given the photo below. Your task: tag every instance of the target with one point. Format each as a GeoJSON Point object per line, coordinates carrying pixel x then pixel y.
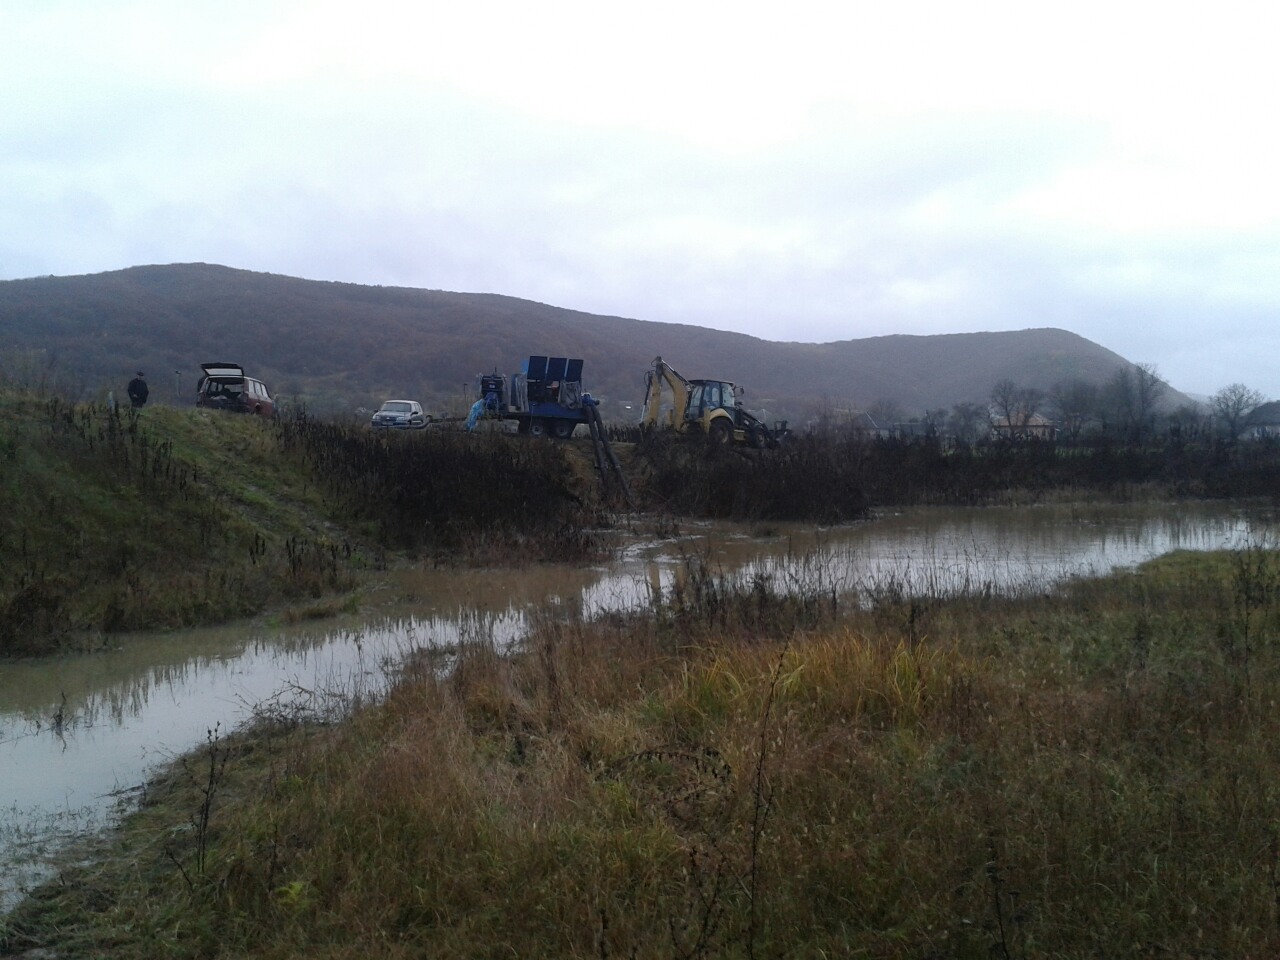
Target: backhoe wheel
{"type": "Point", "coordinates": [720, 432]}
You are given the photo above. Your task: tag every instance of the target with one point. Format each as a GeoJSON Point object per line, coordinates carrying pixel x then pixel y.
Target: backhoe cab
{"type": "Point", "coordinates": [710, 407]}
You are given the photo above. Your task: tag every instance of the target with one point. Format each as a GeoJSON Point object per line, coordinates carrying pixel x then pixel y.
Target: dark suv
{"type": "Point", "coordinates": [225, 387]}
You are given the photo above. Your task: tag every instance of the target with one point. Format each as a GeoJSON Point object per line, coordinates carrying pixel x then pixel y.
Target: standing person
{"type": "Point", "coordinates": [138, 390]}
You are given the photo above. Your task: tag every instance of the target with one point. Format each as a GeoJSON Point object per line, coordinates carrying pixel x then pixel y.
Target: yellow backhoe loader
{"type": "Point", "coordinates": [712, 408]}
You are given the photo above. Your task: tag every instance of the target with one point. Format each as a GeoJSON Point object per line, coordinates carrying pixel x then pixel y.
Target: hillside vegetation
{"type": "Point", "coordinates": [337, 347]}
{"type": "Point", "coordinates": [118, 519]}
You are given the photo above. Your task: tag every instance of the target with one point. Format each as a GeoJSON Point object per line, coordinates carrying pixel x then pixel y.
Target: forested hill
{"type": "Point", "coordinates": [342, 346]}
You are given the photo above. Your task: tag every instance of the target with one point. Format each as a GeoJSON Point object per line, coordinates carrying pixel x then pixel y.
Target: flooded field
{"type": "Point", "coordinates": [79, 735]}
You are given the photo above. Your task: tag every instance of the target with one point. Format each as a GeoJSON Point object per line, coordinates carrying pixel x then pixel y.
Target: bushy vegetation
{"type": "Point", "coordinates": [736, 773]}
{"type": "Point", "coordinates": [449, 492]}
{"type": "Point", "coordinates": [113, 519]}
{"type": "Point", "coordinates": [837, 476]}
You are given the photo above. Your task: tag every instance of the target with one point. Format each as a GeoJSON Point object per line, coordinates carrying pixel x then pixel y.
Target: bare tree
{"type": "Point", "coordinates": [934, 421]}
{"type": "Point", "coordinates": [1015, 405]}
{"type": "Point", "coordinates": [1190, 421]}
{"type": "Point", "coordinates": [969, 422]}
{"type": "Point", "coordinates": [1075, 402]}
{"type": "Point", "coordinates": [1004, 402]}
{"type": "Point", "coordinates": [1030, 400]}
{"type": "Point", "coordinates": [1118, 400]}
{"type": "Point", "coordinates": [886, 413]}
{"type": "Point", "coordinates": [1131, 397]}
{"type": "Point", "coordinates": [822, 415]}
{"type": "Point", "coordinates": [1233, 404]}
{"type": "Point", "coordinates": [1149, 388]}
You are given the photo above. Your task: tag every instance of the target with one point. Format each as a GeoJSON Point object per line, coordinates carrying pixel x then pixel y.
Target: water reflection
{"type": "Point", "coordinates": [78, 734]}
{"type": "Point", "coordinates": [947, 552]}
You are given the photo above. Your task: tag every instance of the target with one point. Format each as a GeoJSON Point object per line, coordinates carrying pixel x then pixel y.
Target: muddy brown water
{"type": "Point", "coordinates": [79, 735]}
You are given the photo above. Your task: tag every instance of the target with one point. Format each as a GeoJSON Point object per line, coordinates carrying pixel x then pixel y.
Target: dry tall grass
{"type": "Point", "coordinates": [1088, 774]}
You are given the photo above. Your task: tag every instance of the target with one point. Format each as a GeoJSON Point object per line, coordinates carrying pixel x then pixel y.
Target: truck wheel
{"type": "Point", "coordinates": [720, 432]}
{"type": "Point", "coordinates": [537, 427]}
{"type": "Point", "coordinates": [563, 429]}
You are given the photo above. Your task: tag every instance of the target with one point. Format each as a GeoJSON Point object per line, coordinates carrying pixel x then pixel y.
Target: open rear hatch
{"type": "Point", "coordinates": [223, 371]}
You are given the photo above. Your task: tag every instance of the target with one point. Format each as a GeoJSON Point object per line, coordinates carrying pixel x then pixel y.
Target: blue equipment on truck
{"type": "Point", "coordinates": [545, 398]}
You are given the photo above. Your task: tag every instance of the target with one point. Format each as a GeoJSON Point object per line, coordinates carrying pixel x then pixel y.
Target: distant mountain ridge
{"type": "Point", "coordinates": [343, 346]}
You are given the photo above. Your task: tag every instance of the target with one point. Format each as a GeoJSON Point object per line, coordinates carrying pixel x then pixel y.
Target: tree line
{"type": "Point", "coordinates": [1128, 407]}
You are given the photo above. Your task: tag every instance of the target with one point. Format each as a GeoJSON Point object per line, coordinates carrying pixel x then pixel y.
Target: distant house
{"type": "Point", "coordinates": [911, 429]}
{"type": "Point", "coordinates": [1263, 421]}
{"type": "Point", "coordinates": [1034, 427]}
{"type": "Point", "coordinates": [864, 425]}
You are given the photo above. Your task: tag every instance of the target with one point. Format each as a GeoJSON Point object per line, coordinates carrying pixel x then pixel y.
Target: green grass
{"type": "Point", "coordinates": [126, 520]}
{"type": "Point", "coordinates": [116, 520]}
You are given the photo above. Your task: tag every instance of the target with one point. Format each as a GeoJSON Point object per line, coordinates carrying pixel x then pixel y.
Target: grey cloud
{"type": "Point", "coordinates": [856, 230]}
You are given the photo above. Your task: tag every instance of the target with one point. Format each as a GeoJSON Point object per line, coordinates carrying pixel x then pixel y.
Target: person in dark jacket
{"type": "Point", "coordinates": [138, 390]}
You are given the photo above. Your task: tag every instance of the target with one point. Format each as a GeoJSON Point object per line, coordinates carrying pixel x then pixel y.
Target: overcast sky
{"type": "Point", "coordinates": [795, 171]}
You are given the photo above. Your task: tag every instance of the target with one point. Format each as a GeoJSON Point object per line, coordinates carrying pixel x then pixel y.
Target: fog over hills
{"type": "Point", "coordinates": [341, 347]}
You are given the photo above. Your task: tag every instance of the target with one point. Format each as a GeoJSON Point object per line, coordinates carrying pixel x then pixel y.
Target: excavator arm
{"type": "Point", "coordinates": [662, 379]}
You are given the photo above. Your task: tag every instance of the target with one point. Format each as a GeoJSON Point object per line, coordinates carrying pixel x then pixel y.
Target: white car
{"type": "Point", "coordinates": [401, 415]}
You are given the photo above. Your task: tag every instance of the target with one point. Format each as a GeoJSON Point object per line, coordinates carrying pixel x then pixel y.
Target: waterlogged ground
{"type": "Point", "coordinates": [80, 735]}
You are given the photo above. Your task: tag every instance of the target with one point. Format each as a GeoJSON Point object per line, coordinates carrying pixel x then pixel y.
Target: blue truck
{"type": "Point", "coordinates": [545, 398]}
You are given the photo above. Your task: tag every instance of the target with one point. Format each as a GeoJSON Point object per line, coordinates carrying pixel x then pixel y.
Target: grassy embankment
{"type": "Point", "coordinates": [1089, 772]}
{"type": "Point", "coordinates": [119, 520]}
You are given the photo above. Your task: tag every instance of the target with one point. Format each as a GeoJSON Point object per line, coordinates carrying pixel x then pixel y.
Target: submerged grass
{"type": "Point", "coordinates": [1086, 773]}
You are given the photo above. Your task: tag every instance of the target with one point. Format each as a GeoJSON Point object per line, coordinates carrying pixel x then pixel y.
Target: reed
{"type": "Point", "coordinates": [1077, 774]}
